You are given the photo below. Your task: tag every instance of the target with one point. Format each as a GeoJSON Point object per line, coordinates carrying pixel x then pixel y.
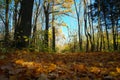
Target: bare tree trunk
{"type": "Point", "coordinates": [93, 41]}
{"type": "Point", "coordinates": [113, 30]}
{"type": "Point", "coordinates": [35, 22]}
{"type": "Point", "coordinates": [117, 35]}
{"type": "Point", "coordinates": [53, 28]}
{"type": "Point", "coordinates": [46, 11]}
{"type": "Point", "coordinates": [89, 34]}
{"type": "Point", "coordinates": [15, 13]}
{"type": "Point", "coordinates": [106, 29]}
{"type": "Point", "coordinates": [7, 23]}
{"type": "Point", "coordinates": [85, 26]}
{"type": "Point", "coordinates": [99, 26]}
{"type": "Point", "coordinates": [98, 40]}
{"type": "Point", "coordinates": [79, 29]}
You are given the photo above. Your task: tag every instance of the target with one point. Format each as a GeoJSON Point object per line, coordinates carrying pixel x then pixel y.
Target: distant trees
{"type": "Point", "coordinates": [78, 9]}
{"type": "Point", "coordinates": [54, 8]}
{"type": "Point", "coordinates": [101, 22]}
{"type": "Point", "coordinates": [36, 11]}
{"type": "Point", "coordinates": [37, 24]}
{"type": "Point", "coordinates": [107, 13]}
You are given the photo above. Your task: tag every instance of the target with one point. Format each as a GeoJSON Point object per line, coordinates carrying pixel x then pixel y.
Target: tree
{"type": "Point", "coordinates": [46, 7]}
{"type": "Point", "coordinates": [78, 19]}
{"type": "Point", "coordinates": [104, 10]}
{"type": "Point", "coordinates": [36, 15]}
{"type": "Point", "coordinates": [112, 18]}
{"type": "Point", "coordinates": [99, 28]}
{"type": "Point", "coordinates": [15, 14]}
{"type": "Point", "coordinates": [2, 3]}
{"type": "Point", "coordinates": [85, 25]}
{"type": "Point", "coordinates": [23, 27]}
{"type": "Point", "coordinates": [90, 19]}
{"type": "Point", "coordinates": [7, 23]}
{"type": "Point", "coordinates": [107, 13]}
{"type": "Point", "coordinates": [49, 6]}
{"type": "Point", "coordinates": [53, 27]}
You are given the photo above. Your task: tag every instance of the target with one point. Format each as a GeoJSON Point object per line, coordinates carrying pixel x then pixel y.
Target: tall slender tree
{"type": "Point", "coordinates": [36, 15]}
{"type": "Point", "coordinates": [46, 7]}
{"type": "Point", "coordinates": [85, 24]}
{"type": "Point", "coordinates": [53, 28]}
{"type": "Point", "coordinates": [113, 24]}
{"type": "Point", "coordinates": [78, 19]}
{"type": "Point", "coordinates": [15, 14]}
{"type": "Point", "coordinates": [7, 22]}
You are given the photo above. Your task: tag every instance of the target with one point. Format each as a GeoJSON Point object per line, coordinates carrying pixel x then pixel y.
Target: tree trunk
{"type": "Point", "coordinates": [53, 28]}
{"type": "Point", "coordinates": [35, 23]}
{"type": "Point", "coordinates": [7, 23]}
{"type": "Point", "coordinates": [78, 19]}
{"type": "Point", "coordinates": [113, 29]}
{"type": "Point", "coordinates": [99, 26]}
{"type": "Point", "coordinates": [15, 13]}
{"type": "Point", "coordinates": [85, 25]}
{"type": "Point", "coordinates": [87, 43]}
{"type": "Point", "coordinates": [93, 41]}
{"type": "Point", "coordinates": [117, 35]}
{"type": "Point", "coordinates": [89, 34]}
{"type": "Point", "coordinates": [106, 29]}
{"type": "Point", "coordinates": [46, 11]}
{"type": "Point", "coordinates": [23, 27]}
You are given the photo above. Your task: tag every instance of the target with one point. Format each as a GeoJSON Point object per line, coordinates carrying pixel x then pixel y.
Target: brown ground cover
{"type": "Point", "coordinates": [23, 65]}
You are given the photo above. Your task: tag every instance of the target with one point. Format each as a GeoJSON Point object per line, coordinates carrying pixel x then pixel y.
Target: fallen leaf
{"type": "Point", "coordinates": [80, 67]}
{"type": "Point", "coordinates": [12, 78]}
{"type": "Point", "coordinates": [95, 70]}
{"type": "Point", "coordinates": [118, 70]}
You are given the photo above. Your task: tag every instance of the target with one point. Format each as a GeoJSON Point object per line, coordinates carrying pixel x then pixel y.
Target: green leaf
{"type": "Point", "coordinates": [26, 40]}
{"type": "Point", "coordinates": [25, 37]}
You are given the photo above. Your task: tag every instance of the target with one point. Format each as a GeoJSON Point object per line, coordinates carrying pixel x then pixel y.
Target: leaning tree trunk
{"type": "Point", "coordinates": [23, 27]}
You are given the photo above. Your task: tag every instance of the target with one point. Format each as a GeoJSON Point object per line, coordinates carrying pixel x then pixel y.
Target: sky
{"type": "Point", "coordinates": [70, 21]}
{"type": "Point", "coordinates": [72, 24]}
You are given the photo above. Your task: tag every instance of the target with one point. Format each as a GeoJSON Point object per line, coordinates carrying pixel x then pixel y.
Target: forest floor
{"type": "Point", "coordinates": [23, 65]}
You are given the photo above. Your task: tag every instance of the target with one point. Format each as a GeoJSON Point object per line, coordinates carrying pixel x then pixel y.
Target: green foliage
{"type": "Point", "coordinates": [26, 38]}
{"type": "Point", "coordinates": [37, 43]}
{"type": "Point", "coordinates": [4, 50]}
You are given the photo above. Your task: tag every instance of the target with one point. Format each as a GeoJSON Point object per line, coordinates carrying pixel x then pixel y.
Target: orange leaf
{"type": "Point", "coordinates": [118, 70]}
{"type": "Point", "coordinates": [95, 70]}
{"type": "Point", "coordinates": [80, 67]}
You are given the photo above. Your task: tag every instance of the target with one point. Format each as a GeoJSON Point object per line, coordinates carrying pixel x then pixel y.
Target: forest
{"type": "Point", "coordinates": [59, 39]}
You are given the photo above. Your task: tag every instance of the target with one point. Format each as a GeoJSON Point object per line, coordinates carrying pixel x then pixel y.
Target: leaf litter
{"type": "Point", "coordinates": [23, 65]}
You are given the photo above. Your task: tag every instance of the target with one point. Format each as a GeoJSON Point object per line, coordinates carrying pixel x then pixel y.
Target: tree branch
{"type": "Point", "coordinates": [2, 19]}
